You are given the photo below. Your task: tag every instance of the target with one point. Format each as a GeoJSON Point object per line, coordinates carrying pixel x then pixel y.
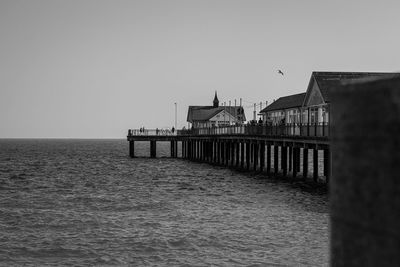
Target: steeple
{"type": "Point", "coordinates": [216, 101]}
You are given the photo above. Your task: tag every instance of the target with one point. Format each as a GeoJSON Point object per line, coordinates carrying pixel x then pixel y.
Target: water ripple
{"type": "Point", "coordinates": [85, 203]}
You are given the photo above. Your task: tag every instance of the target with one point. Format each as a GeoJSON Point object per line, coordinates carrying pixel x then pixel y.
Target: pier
{"type": "Point", "coordinates": [292, 150]}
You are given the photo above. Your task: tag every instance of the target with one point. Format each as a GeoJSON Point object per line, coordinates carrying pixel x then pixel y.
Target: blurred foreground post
{"type": "Point", "coordinates": [365, 185]}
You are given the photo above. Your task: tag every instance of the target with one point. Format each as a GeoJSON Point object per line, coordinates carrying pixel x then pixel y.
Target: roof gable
{"type": "Point", "coordinates": [286, 102]}
{"type": "Point", "coordinates": [205, 113]}
{"type": "Point", "coordinates": [328, 80]}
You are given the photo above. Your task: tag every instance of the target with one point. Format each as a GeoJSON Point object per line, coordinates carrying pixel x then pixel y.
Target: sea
{"type": "Point", "coordinates": [69, 202]}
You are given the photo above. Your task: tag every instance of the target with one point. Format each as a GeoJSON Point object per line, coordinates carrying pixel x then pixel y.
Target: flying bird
{"type": "Point", "coordinates": [280, 72]}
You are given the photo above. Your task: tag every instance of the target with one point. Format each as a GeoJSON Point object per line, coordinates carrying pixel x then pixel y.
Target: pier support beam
{"type": "Point", "coordinates": [295, 162]}
{"type": "Point", "coordinates": [284, 160]}
{"type": "Point", "coordinates": [153, 149]}
{"type": "Point", "coordinates": [172, 149]}
{"type": "Point", "coordinates": [365, 185]}
{"type": "Point", "coordinates": [242, 154]}
{"type": "Point", "coordinates": [305, 163]}
{"type": "Point", "coordinates": [315, 164]}
{"type": "Point", "coordinates": [262, 155]}
{"type": "Point", "coordinates": [327, 163]}
{"type": "Point", "coordinates": [255, 155]}
{"type": "Point", "coordinates": [268, 159]}
{"type": "Point", "coordinates": [237, 151]}
{"type": "Point", "coordinates": [132, 149]}
{"type": "Point", "coordinates": [248, 156]}
{"type": "Point", "coordinates": [276, 151]}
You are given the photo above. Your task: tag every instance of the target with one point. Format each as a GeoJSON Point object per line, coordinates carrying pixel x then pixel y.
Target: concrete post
{"type": "Point", "coordinates": [132, 149]}
{"type": "Point", "coordinates": [315, 164]}
{"type": "Point", "coordinates": [298, 159]}
{"type": "Point", "coordinates": [237, 153]}
{"type": "Point", "coordinates": [172, 149]}
{"type": "Point", "coordinates": [153, 149]}
{"type": "Point", "coordinates": [248, 156]}
{"type": "Point", "coordinates": [295, 162]}
{"type": "Point", "coordinates": [262, 155]}
{"type": "Point", "coordinates": [242, 154]}
{"type": "Point", "coordinates": [327, 163]}
{"type": "Point", "coordinates": [255, 152]}
{"type": "Point", "coordinates": [284, 160]}
{"type": "Point", "coordinates": [276, 159]}
{"type": "Point", "coordinates": [365, 184]}
{"type": "Point", "coordinates": [268, 158]}
{"type": "Point", "coordinates": [305, 163]}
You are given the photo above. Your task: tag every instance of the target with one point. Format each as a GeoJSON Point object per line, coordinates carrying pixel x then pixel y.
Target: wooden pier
{"type": "Point", "coordinates": [280, 150]}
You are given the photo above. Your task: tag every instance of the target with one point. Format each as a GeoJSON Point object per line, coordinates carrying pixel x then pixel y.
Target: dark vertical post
{"type": "Point", "coordinates": [226, 153]}
{"type": "Point", "coordinates": [327, 164]}
{"type": "Point", "coordinates": [248, 155]}
{"type": "Point", "coordinates": [172, 147]}
{"type": "Point", "coordinates": [132, 149]}
{"type": "Point", "coordinates": [197, 150]}
{"type": "Point", "coordinates": [305, 163]}
{"type": "Point", "coordinates": [223, 148]}
{"type": "Point", "coordinates": [237, 153]}
{"type": "Point", "coordinates": [255, 153]}
{"type": "Point", "coordinates": [233, 145]}
{"type": "Point", "coordinates": [242, 154]}
{"type": "Point", "coordinates": [262, 155]}
{"type": "Point", "coordinates": [295, 162]}
{"type": "Point", "coordinates": [290, 157]}
{"type": "Point", "coordinates": [153, 149]}
{"type": "Point", "coordinates": [315, 164]}
{"type": "Point", "coordinates": [284, 160]}
{"type": "Point", "coordinates": [222, 152]}
{"type": "Point", "coordinates": [251, 152]}
{"type": "Point", "coordinates": [215, 151]}
{"type": "Point", "coordinates": [202, 151]}
{"type": "Point", "coordinates": [268, 158]}
{"type": "Point", "coordinates": [275, 159]}
{"type": "Point", "coordinates": [298, 159]}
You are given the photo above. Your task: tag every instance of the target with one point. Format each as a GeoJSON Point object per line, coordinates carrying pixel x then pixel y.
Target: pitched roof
{"type": "Point", "coordinates": [329, 80]}
{"type": "Point", "coordinates": [204, 113]}
{"type": "Point", "coordinates": [285, 102]}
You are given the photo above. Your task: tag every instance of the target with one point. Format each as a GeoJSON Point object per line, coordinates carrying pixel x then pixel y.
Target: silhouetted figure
{"type": "Point", "coordinates": [173, 130]}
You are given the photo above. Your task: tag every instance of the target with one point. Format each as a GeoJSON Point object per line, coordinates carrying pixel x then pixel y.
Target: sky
{"type": "Point", "coordinates": [95, 68]}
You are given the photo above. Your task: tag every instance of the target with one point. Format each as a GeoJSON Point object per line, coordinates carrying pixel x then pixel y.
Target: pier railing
{"type": "Point", "coordinates": [152, 132]}
{"type": "Point", "coordinates": [292, 129]}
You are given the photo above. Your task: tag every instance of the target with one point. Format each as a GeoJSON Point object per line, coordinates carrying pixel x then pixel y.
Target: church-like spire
{"type": "Point", "coordinates": [216, 101]}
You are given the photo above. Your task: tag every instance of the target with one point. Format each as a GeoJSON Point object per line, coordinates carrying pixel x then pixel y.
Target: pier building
{"type": "Point", "coordinates": [215, 115]}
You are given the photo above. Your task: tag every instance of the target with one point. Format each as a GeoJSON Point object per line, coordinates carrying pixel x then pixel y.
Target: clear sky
{"type": "Point", "coordinates": [93, 68]}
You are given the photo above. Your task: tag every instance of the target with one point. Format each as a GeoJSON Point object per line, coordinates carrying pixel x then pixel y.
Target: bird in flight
{"type": "Point", "coordinates": [280, 72]}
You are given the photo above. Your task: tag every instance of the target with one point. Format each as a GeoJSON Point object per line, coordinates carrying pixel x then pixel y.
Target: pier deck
{"type": "Point", "coordinates": [275, 149]}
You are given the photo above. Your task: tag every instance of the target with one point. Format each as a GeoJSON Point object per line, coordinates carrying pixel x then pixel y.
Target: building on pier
{"type": "Point", "coordinates": [286, 108]}
{"type": "Point", "coordinates": [215, 115]}
{"type": "Point", "coordinates": [313, 106]}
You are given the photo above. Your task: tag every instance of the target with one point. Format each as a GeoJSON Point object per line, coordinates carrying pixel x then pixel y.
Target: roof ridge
{"type": "Point", "coordinates": [350, 73]}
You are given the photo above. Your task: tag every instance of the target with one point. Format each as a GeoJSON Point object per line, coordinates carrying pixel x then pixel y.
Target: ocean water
{"type": "Point", "coordinates": [86, 203]}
